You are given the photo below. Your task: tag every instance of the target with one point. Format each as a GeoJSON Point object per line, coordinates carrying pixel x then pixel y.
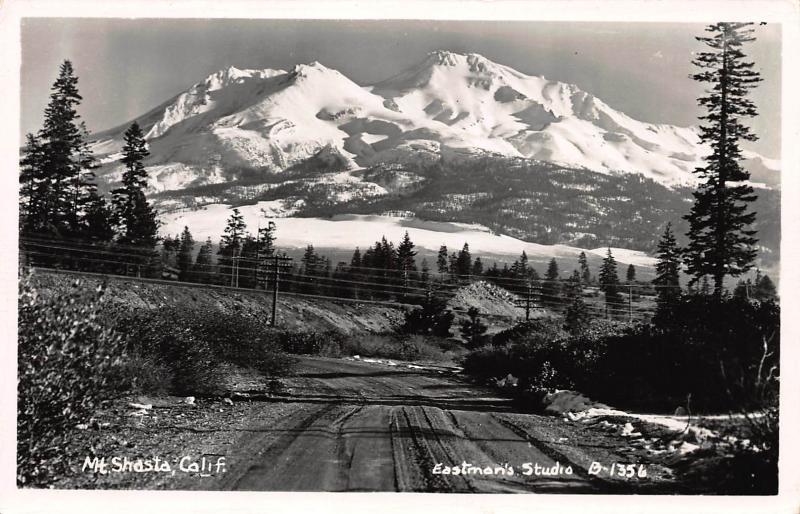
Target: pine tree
{"type": "Point", "coordinates": [551, 289]}
{"type": "Point", "coordinates": [247, 264]}
{"type": "Point", "coordinates": [266, 239]}
{"type": "Point", "coordinates": [405, 258]}
{"type": "Point", "coordinates": [630, 275]}
{"type": "Point", "coordinates": [97, 219]}
{"type": "Point", "coordinates": [33, 185]}
{"type": "Point", "coordinates": [473, 330]}
{"type": "Point", "coordinates": [355, 261]}
{"type": "Point", "coordinates": [667, 281]}
{"type": "Point", "coordinates": [477, 267]}
{"type": "Point", "coordinates": [185, 252]}
{"type": "Point", "coordinates": [433, 318]}
{"type": "Point", "coordinates": [765, 289]}
{"type": "Point", "coordinates": [265, 249]}
{"type": "Point", "coordinates": [310, 270]}
{"type": "Point", "coordinates": [452, 265]}
{"type": "Point", "coordinates": [586, 274]}
{"type": "Point", "coordinates": [609, 282]}
{"type": "Point", "coordinates": [203, 269]}
{"type": "Point", "coordinates": [57, 165]}
{"type": "Point", "coordinates": [169, 251]}
{"type": "Point", "coordinates": [573, 285]}
{"type": "Point", "coordinates": [136, 219]}
{"type": "Point", "coordinates": [354, 274]}
{"type": "Point", "coordinates": [463, 262]}
{"type": "Point", "coordinates": [577, 317]}
{"type": "Point", "coordinates": [425, 277]}
{"type": "Point", "coordinates": [441, 260]}
{"type": "Point", "coordinates": [721, 241]}
{"type": "Point", "coordinates": [230, 246]}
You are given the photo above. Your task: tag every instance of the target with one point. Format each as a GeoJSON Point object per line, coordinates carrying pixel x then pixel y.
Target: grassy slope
{"type": "Point", "coordinates": [293, 312]}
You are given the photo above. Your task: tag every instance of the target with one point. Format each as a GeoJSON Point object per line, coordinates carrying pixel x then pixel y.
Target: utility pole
{"type": "Point", "coordinates": [274, 264]}
{"type": "Point", "coordinates": [528, 301]}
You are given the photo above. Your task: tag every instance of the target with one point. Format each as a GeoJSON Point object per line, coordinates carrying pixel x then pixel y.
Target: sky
{"type": "Point", "coordinates": [128, 66]}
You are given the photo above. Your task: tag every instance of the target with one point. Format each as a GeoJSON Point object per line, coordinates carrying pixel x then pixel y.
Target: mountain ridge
{"type": "Point", "coordinates": [270, 120]}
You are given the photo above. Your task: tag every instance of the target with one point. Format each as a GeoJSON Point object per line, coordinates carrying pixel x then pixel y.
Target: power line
{"type": "Point", "coordinates": [374, 287]}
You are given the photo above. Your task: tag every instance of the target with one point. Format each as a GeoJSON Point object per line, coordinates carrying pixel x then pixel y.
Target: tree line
{"type": "Point", "coordinates": [59, 199]}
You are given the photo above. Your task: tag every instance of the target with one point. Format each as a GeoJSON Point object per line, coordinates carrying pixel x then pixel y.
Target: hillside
{"type": "Point", "coordinates": [294, 312]}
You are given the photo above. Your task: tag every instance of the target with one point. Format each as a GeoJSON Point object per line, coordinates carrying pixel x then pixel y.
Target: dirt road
{"type": "Point", "coordinates": [353, 426]}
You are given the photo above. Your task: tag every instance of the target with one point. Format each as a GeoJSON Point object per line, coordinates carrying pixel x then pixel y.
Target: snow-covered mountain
{"type": "Point", "coordinates": [239, 123]}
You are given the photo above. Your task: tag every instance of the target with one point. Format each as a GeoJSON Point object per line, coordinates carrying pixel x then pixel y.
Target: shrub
{"type": "Point", "coordinates": [189, 343]}
{"type": "Point", "coordinates": [391, 346]}
{"type": "Point", "coordinates": [433, 318]}
{"type": "Point", "coordinates": [721, 356]}
{"type": "Point", "coordinates": [473, 330]}
{"type": "Point", "coordinates": [67, 361]}
{"type": "Point", "coordinates": [312, 343]}
{"type": "Point", "coordinates": [577, 317]}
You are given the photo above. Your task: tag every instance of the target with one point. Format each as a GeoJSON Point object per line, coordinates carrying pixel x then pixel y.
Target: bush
{"type": "Point", "coordinates": [473, 330]}
{"type": "Point", "coordinates": [433, 318]}
{"type": "Point", "coordinates": [312, 343]}
{"type": "Point", "coordinates": [189, 343]}
{"type": "Point", "coordinates": [389, 346]}
{"type": "Point", "coordinates": [721, 356]}
{"type": "Point", "coordinates": [67, 361]}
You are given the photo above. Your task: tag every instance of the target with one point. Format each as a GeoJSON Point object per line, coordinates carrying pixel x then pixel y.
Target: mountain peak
{"type": "Point", "coordinates": [476, 63]}
{"type": "Point", "coordinates": [314, 67]}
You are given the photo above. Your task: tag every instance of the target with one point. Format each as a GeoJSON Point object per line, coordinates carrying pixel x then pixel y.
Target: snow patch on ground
{"type": "Point", "coordinates": [635, 257]}
{"type": "Point", "coordinates": [348, 231]}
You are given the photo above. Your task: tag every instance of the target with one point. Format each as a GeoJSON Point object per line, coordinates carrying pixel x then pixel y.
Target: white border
{"type": "Point", "coordinates": [786, 12]}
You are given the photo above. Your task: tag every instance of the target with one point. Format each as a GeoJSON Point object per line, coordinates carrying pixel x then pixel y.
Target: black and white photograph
{"type": "Point", "coordinates": [399, 254]}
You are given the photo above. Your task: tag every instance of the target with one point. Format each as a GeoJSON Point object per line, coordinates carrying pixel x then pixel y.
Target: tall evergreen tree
{"type": "Point", "coordinates": [551, 288]}
{"type": "Point", "coordinates": [248, 262]}
{"type": "Point", "coordinates": [311, 267]}
{"type": "Point", "coordinates": [630, 275]}
{"type": "Point", "coordinates": [477, 267]}
{"type": "Point", "coordinates": [573, 285]}
{"type": "Point", "coordinates": [230, 246]}
{"type": "Point", "coordinates": [355, 261]}
{"type": "Point", "coordinates": [265, 249]}
{"type": "Point", "coordinates": [185, 253]}
{"type": "Point", "coordinates": [585, 272]}
{"type": "Point", "coordinates": [169, 251]}
{"type": "Point", "coordinates": [441, 260]}
{"type": "Point", "coordinates": [136, 219]}
{"type": "Point", "coordinates": [609, 282]}
{"type": "Point", "coordinates": [405, 258]}
{"type": "Point", "coordinates": [203, 269]}
{"type": "Point", "coordinates": [721, 240]}
{"type": "Point", "coordinates": [452, 265]}
{"type": "Point", "coordinates": [57, 164]}
{"type": "Point", "coordinates": [98, 219]}
{"type": "Point", "coordinates": [464, 262]}
{"type": "Point", "coordinates": [425, 276]}
{"type": "Point", "coordinates": [33, 184]}
{"type": "Point", "coordinates": [667, 281]}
